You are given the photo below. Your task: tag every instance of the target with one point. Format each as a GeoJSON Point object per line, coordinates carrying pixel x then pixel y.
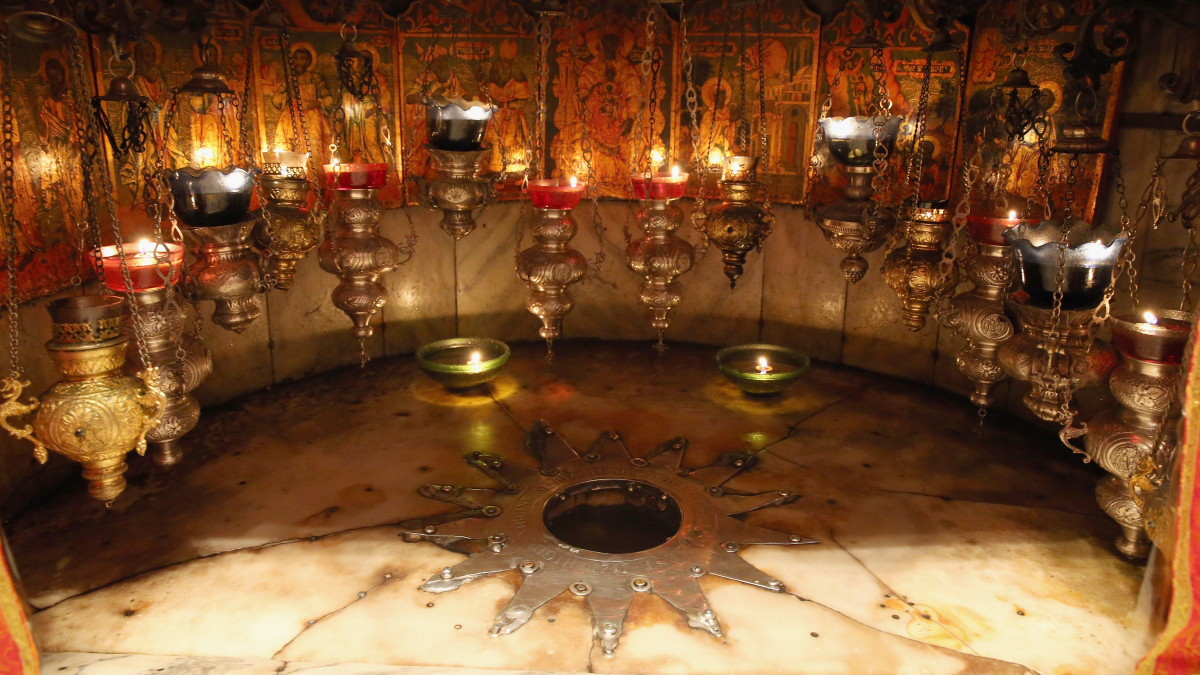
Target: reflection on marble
{"type": "Point", "coordinates": [79, 663]}
{"type": "Point", "coordinates": [943, 549]}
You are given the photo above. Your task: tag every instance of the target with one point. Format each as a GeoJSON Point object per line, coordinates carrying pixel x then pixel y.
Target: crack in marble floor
{"type": "Point", "coordinates": [388, 577]}
{"type": "Point", "coordinates": [899, 596]}
{"type": "Point", "coordinates": [969, 500]}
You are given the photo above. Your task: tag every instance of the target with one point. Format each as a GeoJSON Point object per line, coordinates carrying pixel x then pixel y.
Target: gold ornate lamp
{"type": "Point", "coordinates": [660, 255]}
{"type": "Point", "coordinates": [95, 415]}
{"type": "Point", "coordinates": [737, 225]}
{"type": "Point", "coordinates": [289, 228]}
{"type": "Point", "coordinates": [456, 128]}
{"type": "Point", "coordinates": [913, 269]}
{"type": "Point", "coordinates": [858, 223]}
{"type": "Point", "coordinates": [550, 266]}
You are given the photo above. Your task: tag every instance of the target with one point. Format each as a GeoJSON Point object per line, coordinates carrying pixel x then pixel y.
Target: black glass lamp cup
{"type": "Point", "coordinates": [455, 124]}
{"type": "Point", "coordinates": [1087, 267]}
{"type": "Point", "coordinates": [851, 140]}
{"type": "Point", "coordinates": [211, 197]}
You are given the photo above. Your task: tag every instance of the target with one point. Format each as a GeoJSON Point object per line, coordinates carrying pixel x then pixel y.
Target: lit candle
{"type": "Point", "coordinates": [203, 157]}
{"type": "Point", "coordinates": [476, 359]}
{"type": "Point", "coordinates": [716, 159]}
{"type": "Point", "coordinates": [151, 266]}
{"type": "Point", "coordinates": [553, 193]}
{"type": "Point", "coordinates": [661, 186]}
{"type": "Point", "coordinates": [1158, 339]}
{"type": "Point", "coordinates": [989, 229]}
{"type": "Point", "coordinates": [1150, 318]}
{"type": "Point", "coordinates": [355, 175]}
{"type": "Point", "coordinates": [763, 366]}
{"type": "Point", "coordinates": [1012, 216]}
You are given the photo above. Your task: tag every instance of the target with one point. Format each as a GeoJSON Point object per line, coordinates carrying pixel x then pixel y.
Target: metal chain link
{"type": "Point", "coordinates": [543, 71]}
{"type": "Point", "coordinates": [814, 160]}
{"type": "Point", "coordinates": [881, 107]}
{"type": "Point", "coordinates": [949, 260]}
{"type": "Point", "coordinates": [699, 163]}
{"type": "Point", "coordinates": [587, 154]}
{"type": "Point", "coordinates": [9, 213]}
{"type": "Point", "coordinates": [763, 155]}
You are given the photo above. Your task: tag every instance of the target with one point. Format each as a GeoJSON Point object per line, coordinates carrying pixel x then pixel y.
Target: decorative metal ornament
{"type": "Point", "coordinates": [353, 249]}
{"type": "Point", "coordinates": [660, 256]}
{"type": "Point", "coordinates": [1123, 440]}
{"type": "Point", "coordinates": [181, 366]}
{"type": "Point", "coordinates": [737, 225]}
{"type": "Point", "coordinates": [95, 415]}
{"type": "Point", "coordinates": [913, 269]}
{"type": "Point", "coordinates": [137, 113]}
{"type": "Point", "coordinates": [288, 228]}
{"type": "Point", "coordinates": [604, 525]}
{"type": "Point", "coordinates": [550, 266]}
{"type": "Point", "coordinates": [978, 315]}
{"type": "Point", "coordinates": [458, 188]}
{"type": "Point", "coordinates": [1077, 361]}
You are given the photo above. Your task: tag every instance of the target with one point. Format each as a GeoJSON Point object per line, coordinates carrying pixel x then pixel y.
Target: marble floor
{"type": "Point", "coordinates": [274, 546]}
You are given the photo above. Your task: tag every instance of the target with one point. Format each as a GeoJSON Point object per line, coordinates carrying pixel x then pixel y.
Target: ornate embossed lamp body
{"type": "Point", "coordinates": [95, 415]}
{"type": "Point", "coordinates": [913, 270]}
{"type": "Point", "coordinates": [288, 227]}
{"type": "Point", "coordinates": [227, 272]}
{"type": "Point", "coordinates": [737, 225]}
{"type": "Point", "coordinates": [660, 256]}
{"type": "Point", "coordinates": [1122, 440]}
{"type": "Point", "coordinates": [457, 188]}
{"type": "Point", "coordinates": [978, 315]}
{"type": "Point", "coordinates": [856, 224]}
{"type": "Point", "coordinates": [354, 249]}
{"type": "Point", "coordinates": [163, 323]}
{"type": "Point", "coordinates": [1085, 361]}
{"type": "Point", "coordinates": [551, 265]}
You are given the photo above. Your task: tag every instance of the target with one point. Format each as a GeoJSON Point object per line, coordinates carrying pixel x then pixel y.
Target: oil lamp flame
{"type": "Point", "coordinates": [1150, 318]}
{"type": "Point", "coordinates": [763, 366]}
{"type": "Point", "coordinates": [716, 157]}
{"type": "Point", "coordinates": [476, 358]}
{"type": "Point", "coordinates": [675, 171]}
{"type": "Point", "coordinates": [1012, 215]}
{"type": "Point", "coordinates": [203, 157]}
{"type": "Point", "coordinates": [145, 247]}
{"type": "Point", "coordinates": [574, 181]}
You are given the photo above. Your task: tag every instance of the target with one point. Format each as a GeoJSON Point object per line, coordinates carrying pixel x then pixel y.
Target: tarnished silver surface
{"type": "Point", "coordinates": [226, 272]}
{"type": "Point", "coordinates": [979, 316]}
{"type": "Point", "coordinates": [550, 266]}
{"type": "Point", "coordinates": [660, 256]}
{"type": "Point", "coordinates": [505, 528]}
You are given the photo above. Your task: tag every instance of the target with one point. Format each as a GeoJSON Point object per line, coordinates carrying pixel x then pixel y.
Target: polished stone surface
{"type": "Point", "coordinates": [944, 548]}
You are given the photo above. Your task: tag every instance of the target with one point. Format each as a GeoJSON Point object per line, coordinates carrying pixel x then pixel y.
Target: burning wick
{"type": "Point", "coordinates": [574, 181]}
{"type": "Point", "coordinates": [476, 359]}
{"type": "Point", "coordinates": [145, 247]}
{"type": "Point", "coordinates": [1012, 215]}
{"type": "Point", "coordinates": [763, 367]}
{"type": "Point", "coordinates": [675, 171]}
{"type": "Point", "coordinates": [715, 158]}
{"type": "Point", "coordinates": [1150, 318]}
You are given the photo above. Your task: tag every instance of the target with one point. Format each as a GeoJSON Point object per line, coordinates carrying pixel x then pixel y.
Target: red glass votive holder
{"type": "Point", "coordinates": [1161, 342]}
{"type": "Point", "coordinates": [149, 268]}
{"type": "Point", "coordinates": [355, 176]}
{"type": "Point", "coordinates": [659, 186]}
{"type": "Point", "coordinates": [552, 193]}
{"type": "Point", "coordinates": [990, 229]}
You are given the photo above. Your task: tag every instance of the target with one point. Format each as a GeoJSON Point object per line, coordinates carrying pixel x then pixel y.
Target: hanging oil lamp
{"type": "Point", "coordinates": [352, 248]}
{"type": "Point", "coordinates": [1067, 273]}
{"type": "Point", "coordinates": [137, 111]}
{"type": "Point", "coordinates": [660, 255]}
{"type": "Point", "coordinates": [913, 268]}
{"type": "Point", "coordinates": [1124, 439]}
{"type": "Point", "coordinates": [550, 266]}
{"type": "Point", "coordinates": [455, 129]}
{"type": "Point", "coordinates": [978, 315]}
{"type": "Point", "coordinates": [213, 204]}
{"type": "Point", "coordinates": [154, 269]}
{"type": "Point", "coordinates": [289, 229]}
{"type": "Point", "coordinates": [95, 415]}
{"type": "Point", "coordinates": [737, 225]}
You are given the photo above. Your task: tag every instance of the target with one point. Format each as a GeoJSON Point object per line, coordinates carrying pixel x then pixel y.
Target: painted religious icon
{"type": "Point", "coordinates": [48, 214]}
{"type": "Point", "coordinates": [726, 55]}
{"type": "Point", "coordinates": [990, 64]}
{"type": "Point", "coordinates": [478, 51]}
{"type": "Point", "coordinates": [599, 81]}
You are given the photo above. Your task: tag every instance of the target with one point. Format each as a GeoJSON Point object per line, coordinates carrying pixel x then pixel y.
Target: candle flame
{"type": "Point", "coordinates": [574, 181]}
{"type": "Point", "coordinates": [1012, 215]}
{"type": "Point", "coordinates": [656, 156]}
{"type": "Point", "coordinates": [763, 366]}
{"type": "Point", "coordinates": [145, 247]}
{"type": "Point", "coordinates": [203, 157]}
{"type": "Point", "coordinates": [476, 358]}
{"type": "Point", "coordinates": [716, 157]}
{"type": "Point", "coordinates": [1150, 318]}
{"type": "Point", "coordinates": [674, 172]}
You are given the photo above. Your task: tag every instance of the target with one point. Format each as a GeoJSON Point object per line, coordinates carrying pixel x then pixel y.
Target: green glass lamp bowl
{"type": "Point", "coordinates": [739, 365]}
{"type": "Point", "coordinates": [448, 362]}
